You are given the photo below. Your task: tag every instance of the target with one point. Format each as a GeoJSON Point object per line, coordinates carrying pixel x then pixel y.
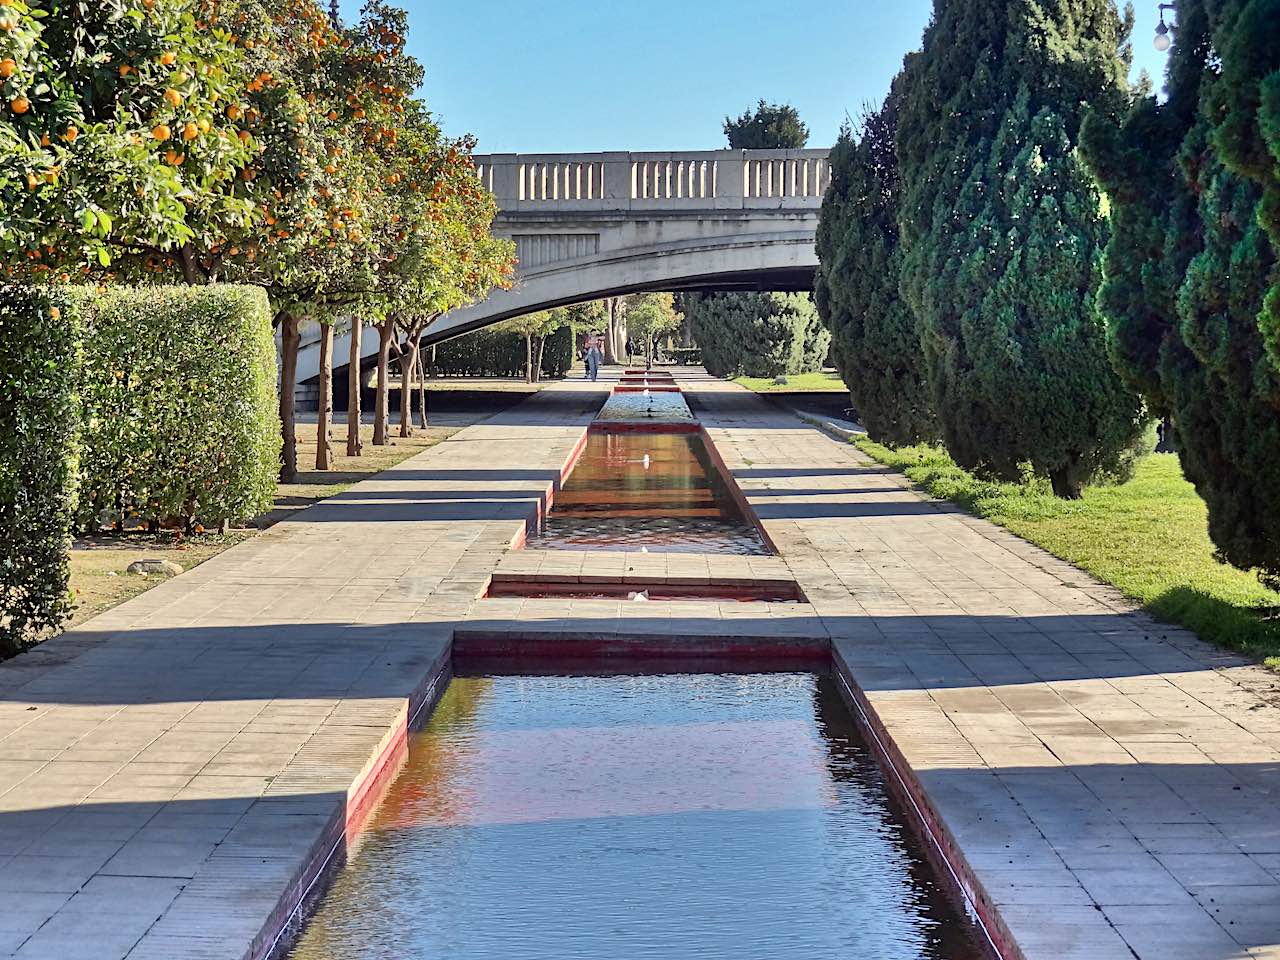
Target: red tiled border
{"type": "Point", "coordinates": [944, 853]}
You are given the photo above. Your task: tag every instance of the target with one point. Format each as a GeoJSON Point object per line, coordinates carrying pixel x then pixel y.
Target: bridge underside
{"type": "Point", "coordinates": [784, 262]}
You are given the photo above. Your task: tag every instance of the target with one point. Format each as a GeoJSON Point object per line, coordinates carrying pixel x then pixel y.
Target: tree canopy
{"type": "Point", "coordinates": [1002, 230]}
{"type": "Point", "coordinates": [874, 341]}
{"type": "Point", "coordinates": [1191, 287]}
{"type": "Point", "coordinates": [771, 126]}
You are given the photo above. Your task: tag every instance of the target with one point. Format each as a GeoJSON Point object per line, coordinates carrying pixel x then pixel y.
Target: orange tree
{"type": "Point", "coordinates": [111, 129]}
{"type": "Point", "coordinates": [317, 245]}
{"type": "Point", "coordinates": [450, 257]}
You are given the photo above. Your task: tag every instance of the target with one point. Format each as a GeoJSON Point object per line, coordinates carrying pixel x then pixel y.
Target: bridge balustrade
{"type": "Point", "coordinates": [708, 179]}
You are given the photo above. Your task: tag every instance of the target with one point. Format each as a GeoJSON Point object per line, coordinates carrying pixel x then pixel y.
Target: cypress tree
{"type": "Point", "coordinates": [1002, 231]}
{"type": "Point", "coordinates": [1190, 318]}
{"type": "Point", "coordinates": [874, 341]}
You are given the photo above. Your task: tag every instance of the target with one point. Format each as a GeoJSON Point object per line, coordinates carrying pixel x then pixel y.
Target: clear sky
{"type": "Point", "coordinates": [585, 75]}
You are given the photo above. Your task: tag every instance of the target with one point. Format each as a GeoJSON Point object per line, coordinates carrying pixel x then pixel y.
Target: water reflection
{"type": "Point", "coordinates": [707, 816]}
{"type": "Point", "coordinates": [677, 502]}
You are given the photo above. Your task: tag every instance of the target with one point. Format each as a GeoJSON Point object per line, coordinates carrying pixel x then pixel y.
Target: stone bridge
{"type": "Point", "coordinates": [595, 225]}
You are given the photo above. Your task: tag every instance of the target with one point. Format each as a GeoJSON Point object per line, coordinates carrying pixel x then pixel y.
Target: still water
{"type": "Point", "coordinates": [638, 818]}
{"type": "Point", "coordinates": [675, 501]}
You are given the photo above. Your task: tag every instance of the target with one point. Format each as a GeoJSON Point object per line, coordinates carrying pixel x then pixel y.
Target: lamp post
{"type": "Point", "coordinates": [1163, 41]}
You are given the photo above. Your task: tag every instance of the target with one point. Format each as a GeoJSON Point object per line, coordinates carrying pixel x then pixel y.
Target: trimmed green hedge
{"type": "Point", "coordinates": [757, 334]}
{"type": "Point", "coordinates": [493, 353]}
{"type": "Point", "coordinates": [39, 428]}
{"type": "Point", "coordinates": [686, 356]}
{"type": "Point", "coordinates": [180, 414]}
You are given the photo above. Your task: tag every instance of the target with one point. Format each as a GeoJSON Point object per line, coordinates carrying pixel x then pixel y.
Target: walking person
{"type": "Point", "coordinates": [595, 355]}
{"type": "Point", "coordinates": [631, 350]}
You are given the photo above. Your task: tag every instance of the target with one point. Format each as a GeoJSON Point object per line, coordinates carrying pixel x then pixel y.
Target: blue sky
{"type": "Point", "coordinates": [579, 75]}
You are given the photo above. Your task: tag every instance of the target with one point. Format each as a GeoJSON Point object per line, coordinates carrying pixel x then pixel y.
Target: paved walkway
{"type": "Point", "coordinates": [167, 770]}
{"type": "Point", "coordinates": [1113, 783]}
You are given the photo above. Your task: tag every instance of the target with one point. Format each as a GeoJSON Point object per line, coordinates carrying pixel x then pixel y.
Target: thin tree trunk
{"type": "Point", "coordinates": [610, 333]}
{"type": "Point", "coordinates": [290, 339]}
{"type": "Point", "coordinates": [406, 389]}
{"type": "Point", "coordinates": [186, 259]}
{"type": "Point", "coordinates": [537, 359]}
{"type": "Point", "coordinates": [386, 329]}
{"type": "Point", "coordinates": [1064, 486]}
{"type": "Point", "coordinates": [325, 410]}
{"type": "Point", "coordinates": [353, 388]}
{"type": "Point", "coordinates": [422, 381]}
{"type": "Point", "coordinates": [528, 358]}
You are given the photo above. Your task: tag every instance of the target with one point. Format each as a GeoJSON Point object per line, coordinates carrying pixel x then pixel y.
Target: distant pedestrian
{"type": "Point", "coordinates": [631, 350]}
{"type": "Point", "coordinates": [595, 356]}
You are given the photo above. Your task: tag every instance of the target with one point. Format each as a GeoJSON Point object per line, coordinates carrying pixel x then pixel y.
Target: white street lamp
{"type": "Point", "coordinates": [1163, 41]}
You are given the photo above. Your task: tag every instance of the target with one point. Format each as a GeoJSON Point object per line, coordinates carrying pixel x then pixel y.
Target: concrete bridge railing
{"type": "Point", "coordinates": [626, 181]}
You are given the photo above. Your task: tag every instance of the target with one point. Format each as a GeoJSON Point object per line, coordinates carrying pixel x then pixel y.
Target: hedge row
{"type": "Point", "coordinates": [489, 353]}
{"type": "Point", "coordinates": [150, 406]}
{"type": "Point", "coordinates": [757, 334]}
{"type": "Point", "coordinates": [179, 395]}
{"type": "Point", "coordinates": [39, 432]}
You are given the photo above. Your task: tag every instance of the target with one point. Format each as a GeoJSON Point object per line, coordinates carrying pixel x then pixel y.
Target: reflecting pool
{"type": "Point", "coordinates": [637, 817]}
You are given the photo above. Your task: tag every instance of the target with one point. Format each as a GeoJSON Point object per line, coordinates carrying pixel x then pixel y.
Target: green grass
{"type": "Point", "coordinates": [1147, 537]}
{"type": "Point", "coordinates": [825, 380]}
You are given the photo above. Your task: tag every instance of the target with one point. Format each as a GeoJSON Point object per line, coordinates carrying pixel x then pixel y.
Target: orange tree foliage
{"type": "Point", "coordinates": [246, 140]}
{"type": "Point", "coordinates": [112, 129]}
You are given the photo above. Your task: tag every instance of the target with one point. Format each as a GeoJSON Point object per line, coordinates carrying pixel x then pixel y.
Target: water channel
{"type": "Point", "coordinates": [638, 818]}
{"type": "Point", "coordinates": [654, 491]}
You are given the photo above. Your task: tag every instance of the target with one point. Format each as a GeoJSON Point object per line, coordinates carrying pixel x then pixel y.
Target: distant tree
{"type": "Point", "coordinates": [650, 317]}
{"type": "Point", "coordinates": [728, 326]}
{"type": "Point", "coordinates": [1002, 230]}
{"type": "Point", "coordinates": [757, 334]}
{"type": "Point", "coordinates": [771, 126]}
{"type": "Point", "coordinates": [874, 340]}
{"type": "Point", "coordinates": [535, 328]}
{"type": "Point", "coordinates": [1192, 278]}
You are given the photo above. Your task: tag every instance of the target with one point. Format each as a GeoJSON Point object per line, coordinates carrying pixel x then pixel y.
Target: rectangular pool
{"type": "Point", "coordinates": [656, 491]}
{"type": "Point", "coordinates": [638, 817]}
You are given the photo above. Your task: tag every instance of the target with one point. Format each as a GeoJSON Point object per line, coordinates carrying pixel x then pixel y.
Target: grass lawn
{"type": "Point", "coordinates": [1148, 537]}
{"type": "Point", "coordinates": [98, 564]}
{"type": "Point", "coordinates": [823, 380]}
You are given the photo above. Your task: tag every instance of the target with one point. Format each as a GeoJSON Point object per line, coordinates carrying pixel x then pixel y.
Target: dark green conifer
{"type": "Point", "coordinates": [1002, 231]}
{"type": "Point", "coordinates": [756, 334]}
{"type": "Point", "coordinates": [737, 333]}
{"type": "Point", "coordinates": [874, 342]}
{"type": "Point", "coordinates": [1190, 317]}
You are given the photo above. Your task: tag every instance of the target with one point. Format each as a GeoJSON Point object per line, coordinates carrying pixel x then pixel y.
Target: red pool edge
{"type": "Point", "coordinates": [328, 855]}
{"type": "Point", "coordinates": [944, 853]}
